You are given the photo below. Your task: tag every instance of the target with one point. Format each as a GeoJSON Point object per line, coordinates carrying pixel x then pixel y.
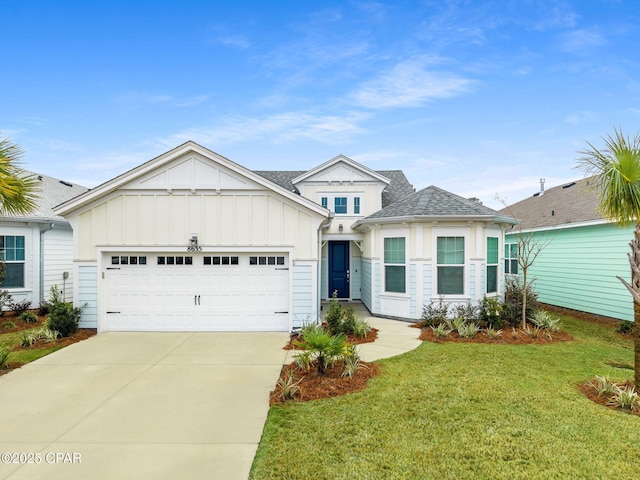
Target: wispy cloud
{"type": "Point", "coordinates": [581, 117]}
{"type": "Point", "coordinates": [237, 41]}
{"type": "Point", "coordinates": [411, 83]}
{"type": "Point", "coordinates": [145, 98]}
{"type": "Point", "coordinates": [278, 128]}
{"type": "Point", "coordinates": [579, 41]}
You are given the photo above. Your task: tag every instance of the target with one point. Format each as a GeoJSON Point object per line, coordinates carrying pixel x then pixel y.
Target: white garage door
{"type": "Point", "coordinates": [175, 292]}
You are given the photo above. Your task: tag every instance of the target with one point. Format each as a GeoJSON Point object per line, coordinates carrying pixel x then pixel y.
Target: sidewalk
{"type": "Point", "coordinates": [394, 336]}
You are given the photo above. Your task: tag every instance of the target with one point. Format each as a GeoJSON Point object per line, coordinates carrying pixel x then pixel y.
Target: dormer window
{"type": "Point", "coordinates": [342, 203]}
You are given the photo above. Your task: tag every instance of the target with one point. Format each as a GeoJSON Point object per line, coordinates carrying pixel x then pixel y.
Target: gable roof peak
{"type": "Point", "coordinates": [344, 159]}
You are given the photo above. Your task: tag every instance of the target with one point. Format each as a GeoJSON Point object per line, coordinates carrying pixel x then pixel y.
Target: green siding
{"type": "Point", "coordinates": [578, 267]}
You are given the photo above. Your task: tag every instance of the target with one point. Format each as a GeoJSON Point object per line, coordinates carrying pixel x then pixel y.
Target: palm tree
{"type": "Point", "coordinates": [18, 194]}
{"type": "Point", "coordinates": [617, 167]}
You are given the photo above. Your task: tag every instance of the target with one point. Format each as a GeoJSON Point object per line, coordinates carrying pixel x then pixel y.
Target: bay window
{"type": "Point", "coordinates": [395, 265]}
{"type": "Point", "coordinates": [450, 260]}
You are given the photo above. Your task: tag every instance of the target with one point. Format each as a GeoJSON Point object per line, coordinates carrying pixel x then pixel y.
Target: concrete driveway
{"type": "Point", "coordinates": [140, 405]}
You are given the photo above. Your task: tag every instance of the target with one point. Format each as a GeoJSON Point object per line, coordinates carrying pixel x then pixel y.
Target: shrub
{"type": "Point", "coordinates": [4, 356]}
{"type": "Point", "coordinates": [546, 320]}
{"type": "Point", "coordinates": [334, 315]}
{"type": "Point", "coordinates": [492, 333]}
{"type": "Point", "coordinates": [63, 316]}
{"type": "Point", "coordinates": [323, 347]}
{"type": "Point", "coordinates": [43, 308]}
{"type": "Point", "coordinates": [441, 330]}
{"type": "Point", "coordinates": [434, 313]}
{"type": "Point", "coordinates": [626, 398]}
{"type": "Point", "coordinates": [344, 320]}
{"type": "Point", "coordinates": [9, 324]}
{"type": "Point", "coordinates": [469, 330]}
{"type": "Point", "coordinates": [513, 300]}
{"type": "Point", "coordinates": [27, 339]}
{"type": "Point", "coordinates": [467, 311]}
{"type": "Point", "coordinates": [28, 317]}
{"type": "Point", "coordinates": [20, 306]}
{"type": "Point", "coordinates": [352, 362]}
{"type": "Point", "coordinates": [491, 312]}
{"type": "Point", "coordinates": [603, 386]}
{"type": "Point", "coordinates": [625, 326]}
{"type": "Point", "coordinates": [288, 386]}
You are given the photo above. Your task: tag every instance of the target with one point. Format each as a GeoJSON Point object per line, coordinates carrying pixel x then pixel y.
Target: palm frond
{"type": "Point", "coordinates": [617, 168]}
{"type": "Point", "coordinates": [18, 190]}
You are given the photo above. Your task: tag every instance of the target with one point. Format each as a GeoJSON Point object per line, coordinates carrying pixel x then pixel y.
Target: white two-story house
{"type": "Point", "coordinates": [193, 241]}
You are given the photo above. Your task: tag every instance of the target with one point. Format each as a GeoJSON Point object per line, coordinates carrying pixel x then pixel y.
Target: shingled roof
{"type": "Point", "coordinates": [437, 203]}
{"type": "Point", "coordinates": [573, 202]}
{"type": "Point", "coordinates": [51, 192]}
{"type": "Point", "coordinates": [399, 187]}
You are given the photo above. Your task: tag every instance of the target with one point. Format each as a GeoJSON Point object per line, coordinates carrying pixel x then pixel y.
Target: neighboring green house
{"type": "Point", "coordinates": [582, 252]}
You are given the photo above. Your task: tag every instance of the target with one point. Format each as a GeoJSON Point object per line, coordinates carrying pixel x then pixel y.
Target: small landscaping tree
{"type": "Point", "coordinates": [63, 316]}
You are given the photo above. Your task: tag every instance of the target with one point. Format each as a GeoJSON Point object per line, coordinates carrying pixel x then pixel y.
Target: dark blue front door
{"type": "Point", "coordinates": [339, 269]}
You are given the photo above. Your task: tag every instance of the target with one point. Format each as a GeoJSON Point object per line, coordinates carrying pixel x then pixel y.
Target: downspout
{"type": "Point", "coordinates": [42, 232]}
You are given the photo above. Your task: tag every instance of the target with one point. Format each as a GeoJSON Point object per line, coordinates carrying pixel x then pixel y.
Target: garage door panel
{"type": "Point", "coordinates": [202, 295]}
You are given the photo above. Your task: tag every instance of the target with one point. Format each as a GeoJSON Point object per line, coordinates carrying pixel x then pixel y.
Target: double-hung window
{"type": "Point", "coordinates": [492, 264]}
{"type": "Point", "coordinates": [450, 258]}
{"type": "Point", "coordinates": [395, 265]}
{"type": "Point", "coordinates": [356, 205]}
{"type": "Point", "coordinates": [340, 205]}
{"type": "Point", "coordinates": [511, 258]}
{"type": "Point", "coordinates": [12, 254]}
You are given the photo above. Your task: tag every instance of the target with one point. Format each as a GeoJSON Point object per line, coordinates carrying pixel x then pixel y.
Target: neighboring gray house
{"type": "Point", "coordinates": [37, 248]}
{"type": "Point", "coordinates": [582, 252]}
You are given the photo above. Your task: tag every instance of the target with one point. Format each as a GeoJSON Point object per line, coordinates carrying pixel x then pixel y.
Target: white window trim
{"type": "Point", "coordinates": [331, 196]}
{"type": "Point", "coordinates": [452, 232]}
{"type": "Point", "coordinates": [498, 265]}
{"type": "Point", "coordinates": [383, 274]}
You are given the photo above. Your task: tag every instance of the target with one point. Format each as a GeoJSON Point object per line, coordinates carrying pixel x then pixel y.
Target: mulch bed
{"type": "Point", "coordinates": [508, 337]}
{"type": "Point", "coordinates": [590, 392]}
{"type": "Point", "coordinates": [352, 339]}
{"type": "Point", "coordinates": [332, 384]}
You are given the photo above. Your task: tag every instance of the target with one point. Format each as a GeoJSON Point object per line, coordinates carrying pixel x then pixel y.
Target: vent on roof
{"type": "Point", "coordinates": [66, 183]}
{"type": "Point", "coordinates": [569, 185]}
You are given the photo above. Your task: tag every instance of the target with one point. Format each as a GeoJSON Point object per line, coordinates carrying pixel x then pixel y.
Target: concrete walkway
{"type": "Point", "coordinates": [152, 405]}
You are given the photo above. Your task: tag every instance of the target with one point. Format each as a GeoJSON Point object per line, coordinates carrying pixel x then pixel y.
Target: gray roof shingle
{"type": "Point", "coordinates": [399, 187]}
{"type": "Point", "coordinates": [51, 192]}
{"type": "Point", "coordinates": [434, 202]}
{"type": "Point", "coordinates": [569, 203]}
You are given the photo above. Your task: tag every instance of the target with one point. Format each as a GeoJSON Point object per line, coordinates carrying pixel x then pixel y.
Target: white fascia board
{"type": "Point", "coordinates": [434, 218]}
{"type": "Point", "coordinates": [563, 226]}
{"type": "Point", "coordinates": [348, 161]}
{"type": "Point", "coordinates": [117, 182]}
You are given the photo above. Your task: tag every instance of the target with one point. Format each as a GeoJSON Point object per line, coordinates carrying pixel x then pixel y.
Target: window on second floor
{"type": "Point", "coordinates": [342, 203]}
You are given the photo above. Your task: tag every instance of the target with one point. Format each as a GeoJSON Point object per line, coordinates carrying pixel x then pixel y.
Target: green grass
{"type": "Point", "coordinates": [465, 411]}
{"type": "Point", "coordinates": [22, 357]}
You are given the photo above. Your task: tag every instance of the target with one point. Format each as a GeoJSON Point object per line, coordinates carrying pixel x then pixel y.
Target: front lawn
{"type": "Point", "coordinates": [465, 410]}
{"type": "Point", "coordinates": [12, 329]}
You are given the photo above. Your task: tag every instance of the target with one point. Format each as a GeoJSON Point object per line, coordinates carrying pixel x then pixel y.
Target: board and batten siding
{"type": "Point", "coordinates": [577, 269]}
{"type": "Point", "coordinates": [247, 219]}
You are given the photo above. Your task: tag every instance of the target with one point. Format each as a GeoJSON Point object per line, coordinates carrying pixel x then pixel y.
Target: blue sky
{"type": "Point", "coordinates": [481, 98]}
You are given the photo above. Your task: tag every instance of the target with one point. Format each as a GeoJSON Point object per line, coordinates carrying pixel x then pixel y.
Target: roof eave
{"type": "Point", "coordinates": [436, 218]}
